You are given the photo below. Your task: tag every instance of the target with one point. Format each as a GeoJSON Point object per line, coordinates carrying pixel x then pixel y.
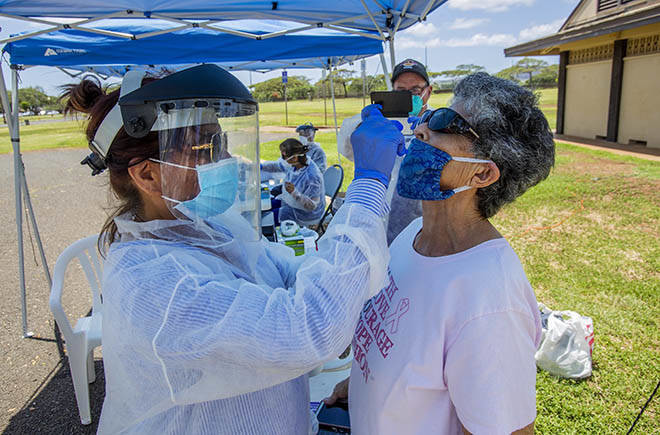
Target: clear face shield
{"type": "Point", "coordinates": [306, 135]}
{"type": "Point", "coordinates": [209, 162]}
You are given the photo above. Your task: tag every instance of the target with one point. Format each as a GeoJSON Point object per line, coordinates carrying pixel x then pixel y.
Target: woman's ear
{"type": "Point", "coordinates": [485, 176]}
{"type": "Point", "coordinates": [146, 176]}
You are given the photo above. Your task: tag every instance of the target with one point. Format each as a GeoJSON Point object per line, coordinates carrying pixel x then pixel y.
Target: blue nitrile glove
{"type": "Point", "coordinates": [414, 122]}
{"type": "Point", "coordinates": [376, 143]}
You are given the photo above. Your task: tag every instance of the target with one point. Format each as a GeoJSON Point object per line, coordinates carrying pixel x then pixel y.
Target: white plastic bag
{"type": "Point", "coordinates": [566, 344]}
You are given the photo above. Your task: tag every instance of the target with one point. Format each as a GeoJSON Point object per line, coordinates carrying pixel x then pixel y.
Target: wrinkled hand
{"type": "Point", "coordinates": [289, 187]}
{"type": "Point", "coordinates": [339, 394]}
{"type": "Point", "coordinates": [376, 143]}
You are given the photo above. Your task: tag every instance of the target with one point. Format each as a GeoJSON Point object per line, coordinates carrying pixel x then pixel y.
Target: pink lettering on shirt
{"type": "Point", "coordinates": [362, 335]}
{"type": "Point", "coordinates": [384, 343]}
{"type": "Point", "coordinates": [382, 304]}
{"type": "Point", "coordinates": [391, 288]}
{"type": "Point", "coordinates": [376, 312]}
{"type": "Point", "coordinates": [371, 316]}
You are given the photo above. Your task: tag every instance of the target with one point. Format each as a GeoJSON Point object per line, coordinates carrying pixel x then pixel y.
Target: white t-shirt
{"type": "Point", "coordinates": [450, 340]}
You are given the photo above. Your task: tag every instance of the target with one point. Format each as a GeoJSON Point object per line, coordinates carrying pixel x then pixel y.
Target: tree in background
{"type": "Point", "coordinates": [374, 83]}
{"type": "Point", "coordinates": [452, 76]}
{"type": "Point", "coordinates": [547, 77]}
{"type": "Point", "coordinates": [537, 72]}
{"type": "Point", "coordinates": [34, 100]}
{"type": "Point", "coordinates": [341, 79]}
{"type": "Point", "coordinates": [297, 87]}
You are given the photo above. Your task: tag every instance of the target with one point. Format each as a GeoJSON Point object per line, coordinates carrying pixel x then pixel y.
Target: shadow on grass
{"type": "Point", "coordinates": [52, 408]}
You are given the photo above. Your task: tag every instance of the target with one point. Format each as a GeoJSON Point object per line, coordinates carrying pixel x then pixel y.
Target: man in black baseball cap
{"type": "Point", "coordinates": [410, 75]}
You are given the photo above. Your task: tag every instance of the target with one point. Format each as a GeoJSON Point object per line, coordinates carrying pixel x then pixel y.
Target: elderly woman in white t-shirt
{"type": "Point", "coordinates": [448, 345]}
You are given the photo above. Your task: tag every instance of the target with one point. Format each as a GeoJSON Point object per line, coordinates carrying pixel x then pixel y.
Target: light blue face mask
{"type": "Point", "coordinates": [218, 187]}
{"type": "Point", "coordinates": [417, 104]}
{"type": "Point", "coordinates": [421, 169]}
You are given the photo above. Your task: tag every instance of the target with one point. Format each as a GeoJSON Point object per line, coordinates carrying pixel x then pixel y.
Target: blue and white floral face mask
{"type": "Point", "coordinates": [421, 169]}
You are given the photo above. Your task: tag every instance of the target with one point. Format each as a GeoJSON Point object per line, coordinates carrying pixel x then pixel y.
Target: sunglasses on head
{"type": "Point", "coordinates": [445, 120]}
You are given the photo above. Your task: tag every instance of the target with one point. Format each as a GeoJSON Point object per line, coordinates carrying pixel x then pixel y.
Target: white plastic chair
{"type": "Point", "coordinates": [82, 339]}
{"type": "Point", "coordinates": [332, 179]}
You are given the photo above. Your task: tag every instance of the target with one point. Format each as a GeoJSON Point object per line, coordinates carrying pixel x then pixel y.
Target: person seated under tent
{"type": "Point", "coordinates": [301, 198]}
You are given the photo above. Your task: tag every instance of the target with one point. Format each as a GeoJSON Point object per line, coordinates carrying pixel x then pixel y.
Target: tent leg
{"type": "Point", "coordinates": [325, 104]}
{"type": "Point", "coordinates": [363, 65]}
{"type": "Point", "coordinates": [386, 74]}
{"type": "Point", "coordinates": [18, 184]}
{"type": "Point", "coordinates": [33, 220]}
{"type": "Point", "coordinates": [392, 58]}
{"type": "Point", "coordinates": [334, 111]}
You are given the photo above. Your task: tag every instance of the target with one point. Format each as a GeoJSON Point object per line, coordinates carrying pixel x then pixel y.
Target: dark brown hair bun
{"type": "Point", "coordinates": [81, 97]}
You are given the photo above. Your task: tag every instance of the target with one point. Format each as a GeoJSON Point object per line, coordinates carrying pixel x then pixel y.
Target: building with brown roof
{"type": "Point", "coordinates": [609, 71]}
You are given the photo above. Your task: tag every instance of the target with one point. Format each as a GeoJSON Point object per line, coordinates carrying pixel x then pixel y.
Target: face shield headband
{"type": "Point", "coordinates": [110, 126]}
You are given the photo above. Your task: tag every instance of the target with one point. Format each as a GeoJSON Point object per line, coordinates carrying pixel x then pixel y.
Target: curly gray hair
{"type": "Point", "coordinates": [513, 133]}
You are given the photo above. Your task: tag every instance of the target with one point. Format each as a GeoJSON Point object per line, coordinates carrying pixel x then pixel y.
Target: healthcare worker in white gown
{"type": "Point", "coordinates": [208, 328]}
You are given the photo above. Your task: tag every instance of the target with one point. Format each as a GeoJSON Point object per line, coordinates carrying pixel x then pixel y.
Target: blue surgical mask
{"type": "Point", "coordinates": [421, 169]}
{"type": "Point", "coordinates": [218, 186]}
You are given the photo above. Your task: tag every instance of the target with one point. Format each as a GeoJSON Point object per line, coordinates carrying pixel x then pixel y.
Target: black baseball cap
{"type": "Point", "coordinates": [410, 65]}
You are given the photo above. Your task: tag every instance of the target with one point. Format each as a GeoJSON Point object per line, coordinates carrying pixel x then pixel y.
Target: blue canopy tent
{"type": "Point", "coordinates": [105, 54]}
{"type": "Point", "coordinates": [112, 55]}
{"type": "Point", "coordinates": [377, 19]}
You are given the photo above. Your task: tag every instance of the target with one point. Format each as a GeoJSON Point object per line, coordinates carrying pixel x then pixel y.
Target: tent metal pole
{"type": "Point", "coordinates": [363, 65]}
{"type": "Point", "coordinates": [402, 14]}
{"type": "Point", "coordinates": [18, 184]}
{"type": "Point", "coordinates": [427, 9]}
{"type": "Point", "coordinates": [334, 111]}
{"type": "Point", "coordinates": [35, 228]}
{"type": "Point", "coordinates": [386, 74]}
{"type": "Point", "coordinates": [373, 20]}
{"type": "Point", "coordinates": [391, 44]}
{"type": "Point", "coordinates": [325, 103]}
{"type": "Point", "coordinates": [354, 32]}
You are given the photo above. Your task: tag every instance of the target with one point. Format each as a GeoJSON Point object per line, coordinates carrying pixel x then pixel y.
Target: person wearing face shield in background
{"type": "Point", "coordinates": [207, 327]}
{"type": "Point", "coordinates": [306, 133]}
{"type": "Point", "coordinates": [409, 75]}
{"type": "Point", "coordinates": [301, 197]}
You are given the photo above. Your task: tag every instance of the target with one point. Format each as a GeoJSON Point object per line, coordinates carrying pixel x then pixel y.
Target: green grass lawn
{"type": "Point", "coordinates": [301, 111]}
{"type": "Point", "coordinates": [588, 237]}
{"type": "Point", "coordinates": [68, 134]}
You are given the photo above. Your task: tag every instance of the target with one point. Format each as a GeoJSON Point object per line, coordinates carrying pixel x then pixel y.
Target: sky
{"type": "Point", "coordinates": [458, 32]}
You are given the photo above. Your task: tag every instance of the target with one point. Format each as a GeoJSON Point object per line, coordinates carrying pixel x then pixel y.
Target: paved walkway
{"type": "Point", "coordinates": [639, 151]}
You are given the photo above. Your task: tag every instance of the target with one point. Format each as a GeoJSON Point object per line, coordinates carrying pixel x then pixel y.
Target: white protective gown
{"type": "Point", "coordinates": [207, 333]}
{"type": "Point", "coordinates": [306, 204]}
{"type": "Point", "coordinates": [318, 156]}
